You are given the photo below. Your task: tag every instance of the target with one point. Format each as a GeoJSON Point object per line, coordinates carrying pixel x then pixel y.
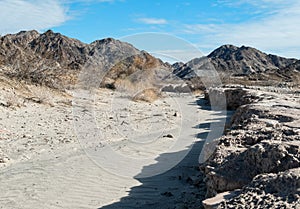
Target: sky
{"type": "Point", "coordinates": [272, 26]}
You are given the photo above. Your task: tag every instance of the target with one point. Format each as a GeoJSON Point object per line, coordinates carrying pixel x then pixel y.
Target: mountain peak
{"type": "Point", "coordinates": [21, 38]}
{"type": "Point", "coordinates": [228, 46]}
{"type": "Point", "coordinates": [224, 51]}
{"type": "Point", "coordinates": [246, 60]}
{"type": "Point", "coordinates": [105, 41]}
{"type": "Point", "coordinates": [55, 60]}
{"type": "Point", "coordinates": [230, 49]}
{"type": "Point", "coordinates": [50, 34]}
{"type": "Point", "coordinates": [49, 31]}
{"type": "Point", "coordinates": [30, 32]}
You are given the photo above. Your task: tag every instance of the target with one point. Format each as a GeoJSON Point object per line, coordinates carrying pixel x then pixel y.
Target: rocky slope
{"type": "Point", "coordinates": [246, 60]}
{"type": "Point", "coordinates": [245, 65]}
{"type": "Point", "coordinates": [56, 60]}
{"type": "Point", "coordinates": [260, 153]}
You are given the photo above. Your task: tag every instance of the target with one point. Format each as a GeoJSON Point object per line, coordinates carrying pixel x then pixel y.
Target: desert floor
{"type": "Point", "coordinates": [52, 155]}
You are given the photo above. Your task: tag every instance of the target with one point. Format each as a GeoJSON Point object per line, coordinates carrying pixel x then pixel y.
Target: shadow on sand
{"type": "Point", "coordinates": [175, 188]}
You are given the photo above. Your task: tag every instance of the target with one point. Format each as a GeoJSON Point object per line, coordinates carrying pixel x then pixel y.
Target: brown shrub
{"type": "Point", "coordinates": [147, 95]}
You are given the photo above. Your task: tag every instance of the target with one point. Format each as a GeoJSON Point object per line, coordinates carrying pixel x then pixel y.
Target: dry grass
{"type": "Point", "coordinates": [138, 88]}
{"type": "Point", "coordinates": [125, 86]}
{"type": "Point", "coordinates": [147, 95]}
{"type": "Point", "coordinates": [14, 93]}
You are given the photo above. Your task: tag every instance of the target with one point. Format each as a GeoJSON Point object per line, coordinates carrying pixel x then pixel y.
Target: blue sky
{"type": "Point", "coordinates": [269, 25]}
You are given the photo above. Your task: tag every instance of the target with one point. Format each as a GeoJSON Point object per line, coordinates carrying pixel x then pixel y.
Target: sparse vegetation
{"type": "Point", "coordinates": [147, 95]}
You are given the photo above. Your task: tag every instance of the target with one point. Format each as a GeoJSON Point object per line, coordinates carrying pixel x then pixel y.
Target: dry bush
{"type": "Point", "coordinates": [132, 85]}
{"type": "Point", "coordinates": [41, 95]}
{"type": "Point", "coordinates": [147, 95]}
{"type": "Point", "coordinates": [32, 71]}
{"type": "Point", "coordinates": [125, 86]}
{"type": "Point", "coordinates": [139, 86]}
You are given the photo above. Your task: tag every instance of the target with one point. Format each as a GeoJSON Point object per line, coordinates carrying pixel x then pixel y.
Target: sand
{"type": "Point", "coordinates": [48, 163]}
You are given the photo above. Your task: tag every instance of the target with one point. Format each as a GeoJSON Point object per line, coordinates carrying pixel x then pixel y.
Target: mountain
{"type": "Point", "coordinates": [58, 61]}
{"type": "Point", "coordinates": [55, 60]}
{"type": "Point", "coordinates": [246, 60]}
{"type": "Point", "coordinates": [245, 63]}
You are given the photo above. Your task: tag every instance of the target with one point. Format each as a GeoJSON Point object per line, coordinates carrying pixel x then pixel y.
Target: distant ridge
{"type": "Point", "coordinates": [246, 60]}
{"type": "Point", "coordinates": [55, 60]}
{"type": "Point", "coordinates": [251, 64]}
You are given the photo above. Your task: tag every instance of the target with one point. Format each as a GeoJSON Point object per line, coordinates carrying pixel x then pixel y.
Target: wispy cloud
{"type": "Point", "coordinates": [152, 21]}
{"type": "Point", "coordinates": [19, 15]}
{"type": "Point", "coordinates": [277, 32]}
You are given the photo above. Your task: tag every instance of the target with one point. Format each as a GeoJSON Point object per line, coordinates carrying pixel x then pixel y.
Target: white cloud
{"type": "Point", "coordinates": [278, 32]}
{"type": "Point", "coordinates": [152, 21]}
{"type": "Point", "coordinates": [19, 15]}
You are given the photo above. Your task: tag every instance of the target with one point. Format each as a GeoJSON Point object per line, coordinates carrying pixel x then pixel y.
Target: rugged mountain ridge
{"type": "Point", "coordinates": [245, 64]}
{"type": "Point", "coordinates": [246, 60]}
{"type": "Point", "coordinates": [56, 60]}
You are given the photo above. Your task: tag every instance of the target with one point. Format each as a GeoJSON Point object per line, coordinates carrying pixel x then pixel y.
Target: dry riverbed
{"type": "Point", "coordinates": [44, 164]}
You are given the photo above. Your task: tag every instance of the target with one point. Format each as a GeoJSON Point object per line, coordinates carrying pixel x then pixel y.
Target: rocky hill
{"type": "Point", "coordinates": [56, 60]}
{"type": "Point", "coordinates": [246, 60]}
{"type": "Point", "coordinates": [246, 64]}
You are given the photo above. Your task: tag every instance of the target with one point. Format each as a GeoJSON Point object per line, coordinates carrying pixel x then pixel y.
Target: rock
{"type": "Point", "coordinates": [263, 139]}
{"type": "Point", "coordinates": [179, 88]}
{"type": "Point", "coordinates": [168, 136]}
{"type": "Point", "coordinates": [279, 190]}
{"type": "Point", "coordinates": [239, 167]}
{"type": "Point", "coordinates": [4, 103]}
{"type": "Point", "coordinates": [235, 97]}
{"type": "Point", "coordinates": [214, 202]}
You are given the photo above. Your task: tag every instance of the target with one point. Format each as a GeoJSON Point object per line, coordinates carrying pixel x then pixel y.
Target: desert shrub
{"type": "Point", "coordinates": [147, 95]}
